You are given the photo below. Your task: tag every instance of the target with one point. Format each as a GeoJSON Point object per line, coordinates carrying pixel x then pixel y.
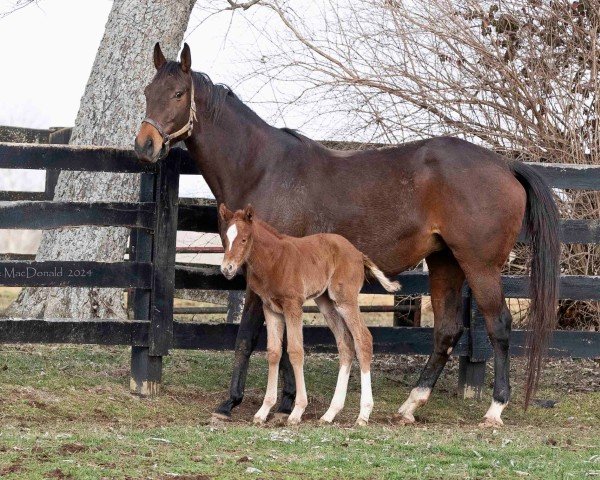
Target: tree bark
{"type": "Point", "coordinates": [111, 109]}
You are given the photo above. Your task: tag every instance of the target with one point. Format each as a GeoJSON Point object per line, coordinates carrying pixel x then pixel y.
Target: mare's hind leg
{"type": "Point", "coordinates": [486, 285]}
{"type": "Point", "coordinates": [343, 339]}
{"type": "Point", "coordinates": [446, 279]}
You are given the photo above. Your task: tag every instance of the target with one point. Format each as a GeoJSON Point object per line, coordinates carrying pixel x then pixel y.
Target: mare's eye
{"type": "Point", "coordinates": [179, 95]}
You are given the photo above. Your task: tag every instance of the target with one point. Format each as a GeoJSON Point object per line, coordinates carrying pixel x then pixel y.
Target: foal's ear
{"type": "Point", "coordinates": [249, 213]}
{"type": "Point", "coordinates": [186, 58]}
{"type": "Point", "coordinates": [225, 213]}
{"type": "Point", "coordinates": [159, 58]}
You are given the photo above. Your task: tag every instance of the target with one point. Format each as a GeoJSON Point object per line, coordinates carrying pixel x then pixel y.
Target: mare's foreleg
{"type": "Point", "coordinates": [245, 343]}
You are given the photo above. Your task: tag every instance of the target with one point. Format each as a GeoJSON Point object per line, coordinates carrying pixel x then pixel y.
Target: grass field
{"type": "Point", "coordinates": [65, 412]}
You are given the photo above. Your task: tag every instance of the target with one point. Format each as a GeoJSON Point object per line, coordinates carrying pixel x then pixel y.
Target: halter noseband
{"type": "Point", "coordinates": [185, 130]}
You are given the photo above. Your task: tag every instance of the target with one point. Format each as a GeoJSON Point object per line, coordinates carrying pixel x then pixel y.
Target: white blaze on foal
{"type": "Point", "coordinates": [231, 234]}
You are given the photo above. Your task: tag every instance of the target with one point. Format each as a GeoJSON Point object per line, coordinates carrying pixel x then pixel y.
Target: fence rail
{"type": "Point", "coordinates": [152, 274]}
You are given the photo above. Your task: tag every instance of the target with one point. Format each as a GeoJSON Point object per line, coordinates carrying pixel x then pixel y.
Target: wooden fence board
{"type": "Point", "coordinates": [14, 196]}
{"type": "Point", "coordinates": [574, 287]}
{"type": "Point", "coordinates": [100, 332]}
{"type": "Point", "coordinates": [75, 274]}
{"type": "Point", "coordinates": [571, 176]}
{"type": "Point", "coordinates": [197, 218]}
{"type": "Point", "coordinates": [67, 157]}
{"type": "Point", "coordinates": [221, 336]}
{"type": "Point", "coordinates": [43, 215]}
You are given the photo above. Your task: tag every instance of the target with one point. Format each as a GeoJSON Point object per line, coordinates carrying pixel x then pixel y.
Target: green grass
{"type": "Point", "coordinates": [65, 412]}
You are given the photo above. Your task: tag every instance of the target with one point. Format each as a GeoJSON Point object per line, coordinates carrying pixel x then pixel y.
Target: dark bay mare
{"type": "Point", "coordinates": [457, 205]}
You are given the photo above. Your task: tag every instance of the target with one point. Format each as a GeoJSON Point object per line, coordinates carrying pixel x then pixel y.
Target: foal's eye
{"type": "Point", "coordinates": [179, 95]}
{"type": "Point", "coordinates": [244, 240]}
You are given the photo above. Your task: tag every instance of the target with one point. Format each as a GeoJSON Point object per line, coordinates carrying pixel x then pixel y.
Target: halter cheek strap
{"type": "Point", "coordinates": [185, 130]}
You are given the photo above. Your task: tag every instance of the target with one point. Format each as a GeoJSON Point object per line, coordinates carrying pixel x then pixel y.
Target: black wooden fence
{"type": "Point", "coordinates": [152, 274]}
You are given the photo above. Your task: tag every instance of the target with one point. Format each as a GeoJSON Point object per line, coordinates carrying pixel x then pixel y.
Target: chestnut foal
{"type": "Point", "coordinates": [286, 271]}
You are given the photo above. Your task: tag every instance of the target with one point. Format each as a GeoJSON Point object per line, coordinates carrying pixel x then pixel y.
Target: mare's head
{"type": "Point", "coordinates": [238, 238]}
{"type": "Point", "coordinates": [170, 106]}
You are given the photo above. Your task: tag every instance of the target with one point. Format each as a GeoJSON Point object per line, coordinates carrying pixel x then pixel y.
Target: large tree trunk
{"type": "Point", "coordinates": [110, 113]}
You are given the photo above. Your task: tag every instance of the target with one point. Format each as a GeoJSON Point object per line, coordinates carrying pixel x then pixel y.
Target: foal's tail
{"type": "Point", "coordinates": [373, 270]}
{"type": "Point", "coordinates": [541, 223]}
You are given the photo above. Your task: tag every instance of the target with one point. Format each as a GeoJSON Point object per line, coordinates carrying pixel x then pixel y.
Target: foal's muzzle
{"type": "Point", "coordinates": [228, 270]}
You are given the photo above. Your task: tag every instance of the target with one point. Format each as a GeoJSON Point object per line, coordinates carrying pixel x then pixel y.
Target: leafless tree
{"type": "Point", "coordinates": [520, 77]}
{"type": "Point", "coordinates": [111, 108]}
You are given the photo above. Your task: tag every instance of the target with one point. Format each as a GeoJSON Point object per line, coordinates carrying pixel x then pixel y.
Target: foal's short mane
{"type": "Point", "coordinates": [215, 94]}
{"type": "Point", "coordinates": [270, 229]}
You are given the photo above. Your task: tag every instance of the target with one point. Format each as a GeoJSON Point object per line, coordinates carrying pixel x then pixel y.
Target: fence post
{"type": "Point", "coordinates": [146, 371]}
{"type": "Point", "coordinates": [59, 136]}
{"type": "Point", "coordinates": [471, 373]}
{"type": "Point", "coordinates": [166, 196]}
{"type": "Point", "coordinates": [157, 304]}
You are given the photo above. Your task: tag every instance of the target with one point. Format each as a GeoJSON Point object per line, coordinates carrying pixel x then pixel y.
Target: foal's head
{"type": "Point", "coordinates": [170, 106]}
{"type": "Point", "coordinates": [238, 238]}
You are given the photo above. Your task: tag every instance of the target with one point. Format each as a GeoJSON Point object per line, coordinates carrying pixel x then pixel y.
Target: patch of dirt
{"type": "Point", "coordinates": [13, 468]}
{"type": "Point", "coordinates": [70, 448]}
{"type": "Point", "coordinates": [185, 477]}
{"type": "Point", "coordinates": [59, 474]}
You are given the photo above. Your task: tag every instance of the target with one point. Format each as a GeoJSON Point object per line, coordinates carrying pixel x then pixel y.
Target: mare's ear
{"type": "Point", "coordinates": [249, 213]}
{"type": "Point", "coordinates": [225, 213]}
{"type": "Point", "coordinates": [159, 58]}
{"type": "Point", "coordinates": [186, 58]}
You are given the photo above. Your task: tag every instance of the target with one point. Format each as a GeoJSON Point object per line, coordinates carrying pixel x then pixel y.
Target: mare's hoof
{"type": "Point", "coordinates": [361, 422]}
{"type": "Point", "coordinates": [489, 422]}
{"type": "Point", "coordinates": [219, 420]}
{"type": "Point", "coordinates": [399, 419]}
{"type": "Point", "coordinates": [280, 419]}
{"type": "Point", "coordinates": [325, 421]}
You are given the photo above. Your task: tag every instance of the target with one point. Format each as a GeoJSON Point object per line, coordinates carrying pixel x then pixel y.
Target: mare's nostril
{"type": "Point", "coordinates": [149, 144]}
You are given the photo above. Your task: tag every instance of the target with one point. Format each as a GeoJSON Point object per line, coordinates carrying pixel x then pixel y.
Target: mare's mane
{"type": "Point", "coordinates": [215, 94]}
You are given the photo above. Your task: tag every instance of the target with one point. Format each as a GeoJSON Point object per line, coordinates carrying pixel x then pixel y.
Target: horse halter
{"type": "Point", "coordinates": [185, 130]}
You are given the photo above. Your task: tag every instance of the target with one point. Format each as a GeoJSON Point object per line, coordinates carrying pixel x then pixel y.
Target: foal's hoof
{"type": "Point", "coordinates": [361, 422]}
{"type": "Point", "coordinates": [293, 420]}
{"type": "Point", "coordinates": [258, 421]}
{"type": "Point", "coordinates": [325, 421]}
{"type": "Point", "coordinates": [402, 419]}
{"type": "Point", "coordinates": [280, 419]}
{"type": "Point", "coordinates": [219, 420]}
{"type": "Point", "coordinates": [489, 422]}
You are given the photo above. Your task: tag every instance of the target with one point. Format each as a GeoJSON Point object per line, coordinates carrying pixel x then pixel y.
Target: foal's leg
{"type": "Point", "coordinates": [275, 328]}
{"type": "Point", "coordinates": [295, 348]}
{"type": "Point", "coordinates": [345, 345]}
{"type": "Point", "coordinates": [446, 279]}
{"type": "Point", "coordinates": [363, 344]}
{"type": "Point", "coordinates": [245, 343]}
